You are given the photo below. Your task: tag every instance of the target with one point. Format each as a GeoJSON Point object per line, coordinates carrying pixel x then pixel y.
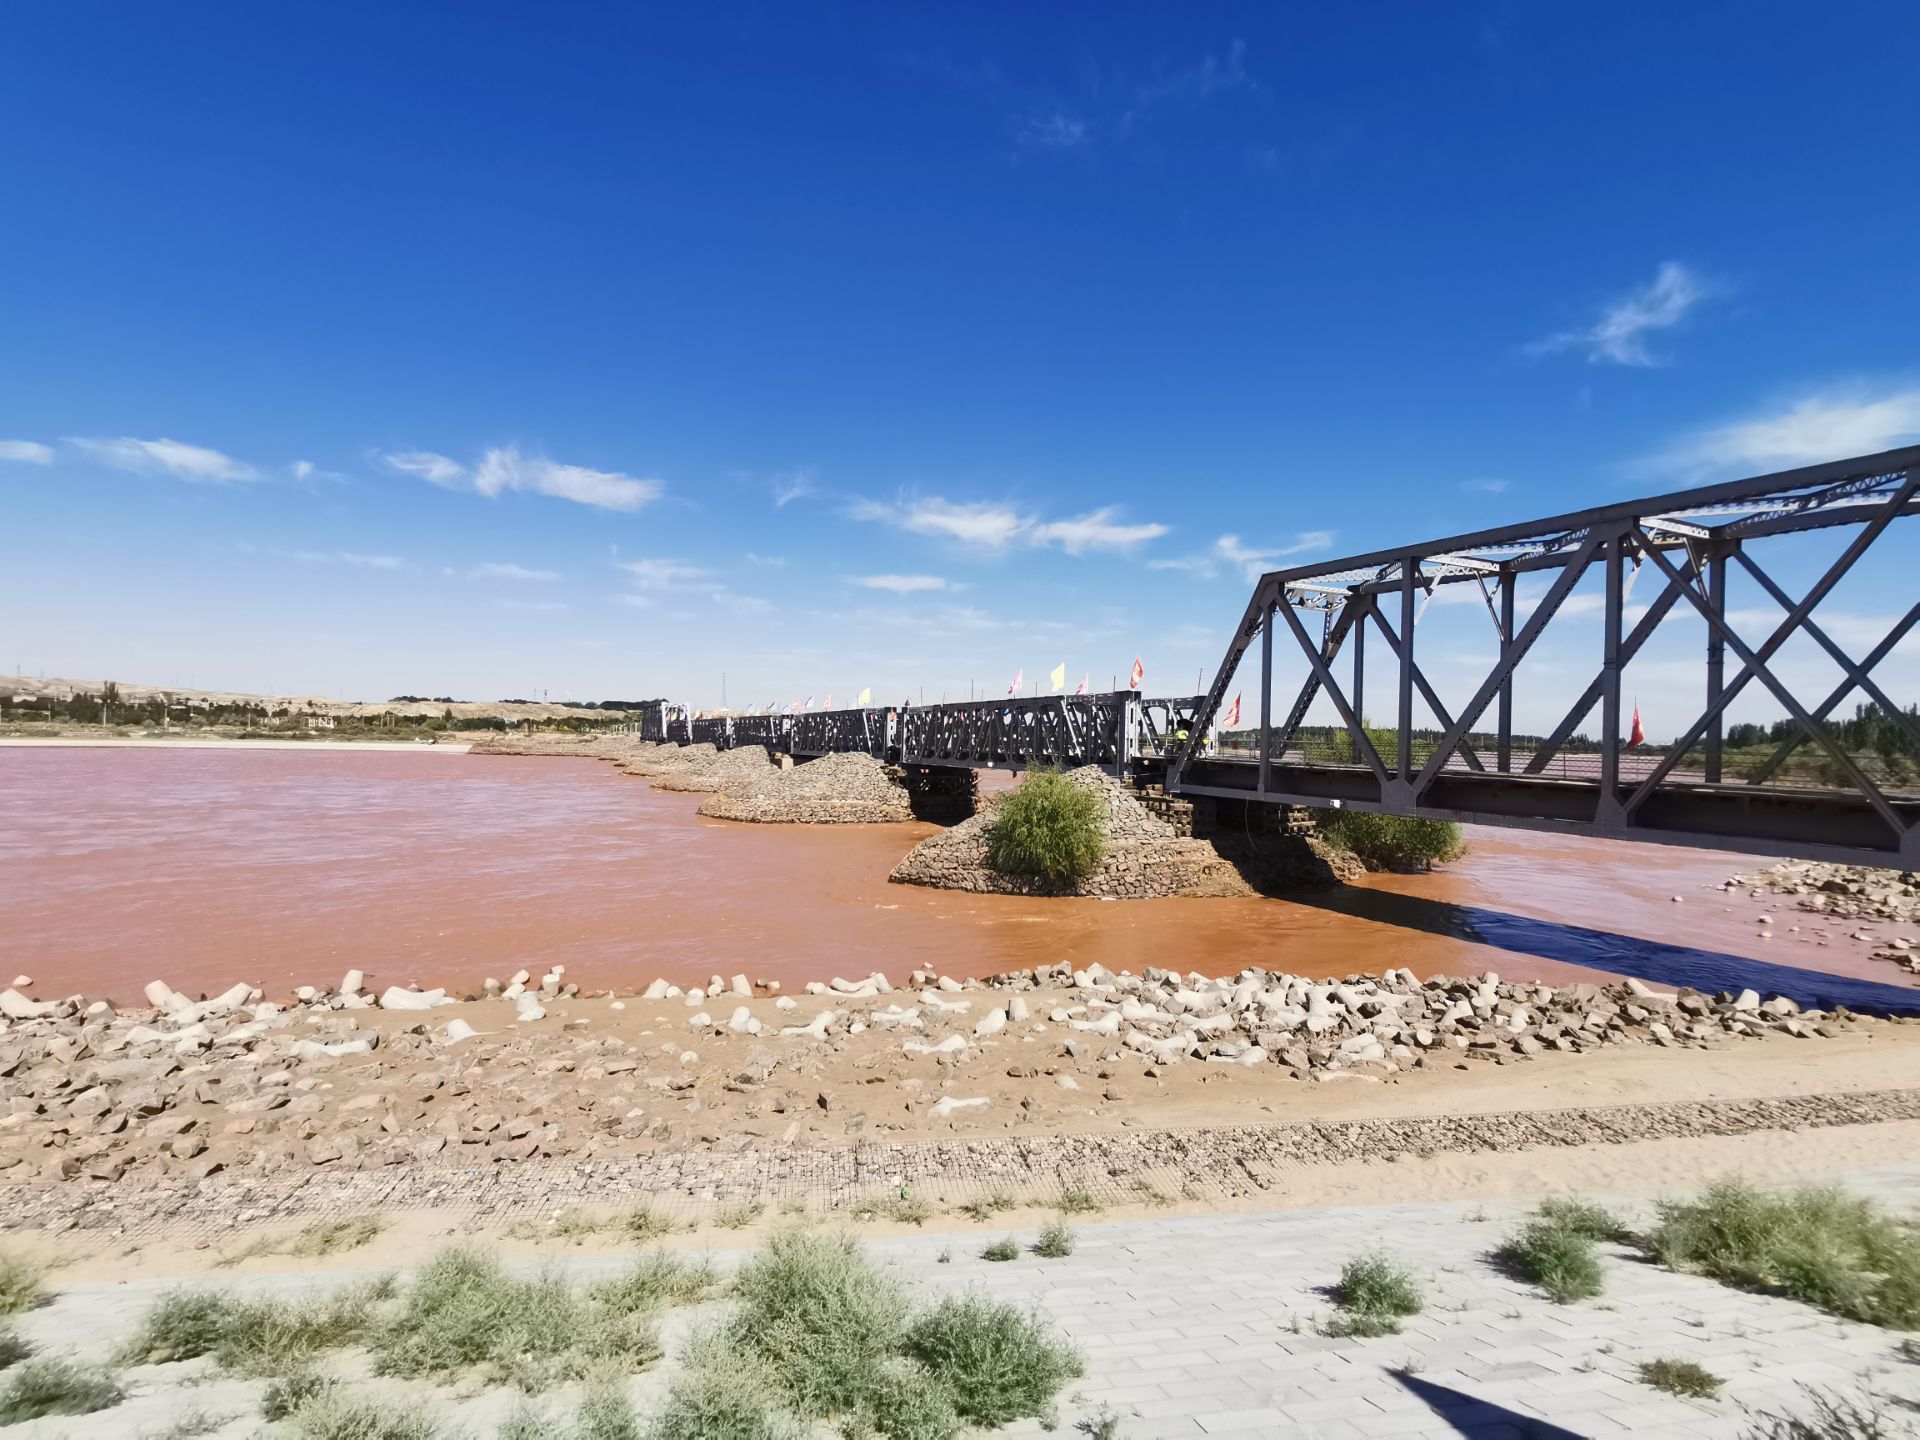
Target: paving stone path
{"type": "Point", "coordinates": [1209, 1326]}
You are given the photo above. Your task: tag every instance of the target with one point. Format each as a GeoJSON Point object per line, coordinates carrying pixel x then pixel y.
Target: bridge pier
{"type": "Point", "coordinates": [1202, 817]}
{"type": "Point", "coordinates": [942, 794]}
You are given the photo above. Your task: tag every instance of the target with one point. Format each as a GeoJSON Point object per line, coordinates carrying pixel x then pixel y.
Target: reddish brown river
{"type": "Point", "coordinates": [282, 867]}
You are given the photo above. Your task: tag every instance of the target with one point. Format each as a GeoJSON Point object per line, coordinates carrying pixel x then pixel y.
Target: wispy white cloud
{"type": "Point", "coordinates": [27, 452]}
{"type": "Point", "coordinates": [329, 557]}
{"type": "Point", "coordinates": [532, 606]}
{"type": "Point", "coordinates": [904, 584]}
{"type": "Point", "coordinates": [1486, 485]}
{"type": "Point", "coordinates": [995, 525]}
{"type": "Point", "coordinates": [426, 465]}
{"type": "Point", "coordinates": [1054, 130]}
{"type": "Point", "coordinates": [1250, 561]}
{"type": "Point", "coordinates": [1619, 336]}
{"type": "Point", "coordinates": [668, 575]}
{"type": "Point", "coordinates": [794, 485]}
{"type": "Point", "coordinates": [1205, 78]}
{"type": "Point", "coordinates": [505, 469]}
{"type": "Point", "coordinates": [165, 457]}
{"type": "Point", "coordinates": [302, 469]}
{"type": "Point", "coordinates": [1822, 425]}
{"type": "Point", "coordinates": [768, 562]}
{"type": "Point", "coordinates": [507, 570]}
{"type": "Point", "coordinates": [508, 469]}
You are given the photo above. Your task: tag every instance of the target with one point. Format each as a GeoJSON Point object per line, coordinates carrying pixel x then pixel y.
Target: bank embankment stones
{"type": "Point", "coordinates": [328, 1080]}
{"type": "Point", "coordinates": [1848, 892]}
{"type": "Point", "coordinates": [849, 789]}
{"type": "Point", "coordinates": [1145, 857]}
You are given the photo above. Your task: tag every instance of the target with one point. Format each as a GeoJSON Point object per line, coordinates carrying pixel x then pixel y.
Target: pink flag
{"type": "Point", "coordinates": [1139, 674]}
{"type": "Point", "coordinates": [1081, 688]}
{"type": "Point", "coordinates": [1018, 676]}
{"type": "Point", "coordinates": [1232, 722]}
{"type": "Point", "coordinates": [827, 704]}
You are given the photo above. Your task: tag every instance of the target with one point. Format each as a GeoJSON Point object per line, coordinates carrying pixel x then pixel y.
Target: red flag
{"type": "Point", "coordinates": [827, 704]}
{"type": "Point", "coordinates": [1639, 736]}
{"type": "Point", "coordinates": [1018, 676]}
{"type": "Point", "coordinates": [1081, 688]}
{"type": "Point", "coordinates": [1139, 674]}
{"type": "Point", "coordinates": [1232, 722]}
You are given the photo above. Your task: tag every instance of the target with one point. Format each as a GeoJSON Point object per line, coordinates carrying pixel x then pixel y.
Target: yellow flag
{"type": "Point", "coordinates": [1059, 677]}
{"type": "Point", "coordinates": [866, 697]}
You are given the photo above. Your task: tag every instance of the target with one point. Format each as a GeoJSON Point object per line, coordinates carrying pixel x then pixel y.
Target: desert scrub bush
{"type": "Point", "coordinates": [1583, 1218]}
{"type": "Point", "coordinates": [321, 1238]}
{"type": "Point", "coordinates": [1078, 1200]}
{"type": "Point", "coordinates": [12, 1349]}
{"type": "Point", "coordinates": [1831, 1416]}
{"type": "Point", "coordinates": [906, 1403]}
{"type": "Point", "coordinates": [287, 1393]}
{"type": "Point", "coordinates": [982, 1210]}
{"type": "Point", "coordinates": [739, 1216]}
{"type": "Point", "coordinates": [20, 1287]}
{"type": "Point", "coordinates": [55, 1387]}
{"type": "Point", "coordinates": [1557, 1254]}
{"type": "Point", "coordinates": [998, 1364]}
{"type": "Point", "coordinates": [724, 1393]}
{"type": "Point", "coordinates": [464, 1312]}
{"type": "Point", "coordinates": [646, 1223]}
{"type": "Point", "coordinates": [1837, 1252]}
{"type": "Point", "coordinates": [1049, 829]}
{"type": "Point", "coordinates": [1002, 1250]}
{"type": "Point", "coordinates": [331, 1414]}
{"type": "Point", "coordinates": [1391, 842]}
{"type": "Point", "coordinates": [606, 1414]}
{"type": "Point", "coordinates": [656, 1281]}
{"type": "Point", "coordinates": [1055, 1242]}
{"type": "Point", "coordinates": [821, 1316]}
{"type": "Point", "coordinates": [251, 1337]}
{"type": "Point", "coordinates": [1374, 1294]}
{"type": "Point", "coordinates": [1680, 1377]}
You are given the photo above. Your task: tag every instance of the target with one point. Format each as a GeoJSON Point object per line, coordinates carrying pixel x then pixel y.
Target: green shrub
{"type": "Point", "coordinates": [998, 1364]}
{"type": "Point", "coordinates": [1558, 1256]}
{"type": "Point", "coordinates": [740, 1215]}
{"type": "Point", "coordinates": [463, 1311]}
{"type": "Point", "coordinates": [1078, 1200]}
{"type": "Point", "coordinates": [1680, 1377]}
{"type": "Point", "coordinates": [606, 1414]}
{"type": "Point", "coordinates": [822, 1316]}
{"type": "Point", "coordinates": [656, 1281]}
{"type": "Point", "coordinates": [12, 1349]}
{"type": "Point", "coordinates": [1055, 1243]}
{"type": "Point", "coordinates": [906, 1403]}
{"type": "Point", "coordinates": [646, 1223]}
{"type": "Point", "coordinates": [333, 1415]}
{"type": "Point", "coordinates": [1392, 842]}
{"type": "Point", "coordinates": [55, 1387]}
{"type": "Point", "coordinates": [724, 1393]}
{"type": "Point", "coordinates": [1584, 1218]}
{"type": "Point", "coordinates": [1049, 829]}
{"type": "Point", "coordinates": [181, 1325]}
{"type": "Point", "coordinates": [287, 1393]}
{"type": "Point", "coordinates": [20, 1287]}
{"type": "Point", "coordinates": [1374, 1294]}
{"type": "Point", "coordinates": [1828, 1249]}
{"type": "Point", "coordinates": [1002, 1250]}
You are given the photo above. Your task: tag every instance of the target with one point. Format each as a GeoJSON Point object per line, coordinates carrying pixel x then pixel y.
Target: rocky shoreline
{"type": "Point", "coordinates": [206, 1090]}
{"type": "Point", "coordinates": [1847, 892]}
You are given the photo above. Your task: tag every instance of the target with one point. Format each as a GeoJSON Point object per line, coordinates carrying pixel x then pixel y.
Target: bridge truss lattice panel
{"type": "Point", "coordinates": [1850, 806]}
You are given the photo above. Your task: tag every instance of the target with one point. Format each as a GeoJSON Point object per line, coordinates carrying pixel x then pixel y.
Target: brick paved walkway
{"type": "Point", "coordinates": [1209, 1326]}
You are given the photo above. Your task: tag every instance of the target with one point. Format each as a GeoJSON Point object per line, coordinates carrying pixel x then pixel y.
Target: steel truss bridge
{"type": "Point", "coordinates": [1683, 793]}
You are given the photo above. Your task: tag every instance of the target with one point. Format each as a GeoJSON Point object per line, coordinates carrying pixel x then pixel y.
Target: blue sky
{"type": "Point", "coordinates": [483, 349]}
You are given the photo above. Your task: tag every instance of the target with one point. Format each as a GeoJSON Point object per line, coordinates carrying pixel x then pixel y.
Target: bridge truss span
{"type": "Point", "coordinates": [1469, 764]}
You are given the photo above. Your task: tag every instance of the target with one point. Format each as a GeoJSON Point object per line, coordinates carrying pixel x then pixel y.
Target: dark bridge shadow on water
{"type": "Point", "coordinates": [1472, 1416]}
{"type": "Point", "coordinates": [1655, 961]}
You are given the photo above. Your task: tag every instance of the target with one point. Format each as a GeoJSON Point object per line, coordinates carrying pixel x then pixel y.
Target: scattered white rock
{"type": "Point", "coordinates": [946, 1105]}
{"type": "Point", "coordinates": [458, 1030]}
{"type": "Point", "coordinates": [396, 998]}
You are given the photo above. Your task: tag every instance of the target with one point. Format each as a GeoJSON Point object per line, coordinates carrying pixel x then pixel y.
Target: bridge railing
{"type": "Point", "coordinates": [770, 730]}
{"type": "Point", "coordinates": [840, 732]}
{"type": "Point", "coordinates": [714, 730]}
{"type": "Point", "coordinates": [1021, 732]}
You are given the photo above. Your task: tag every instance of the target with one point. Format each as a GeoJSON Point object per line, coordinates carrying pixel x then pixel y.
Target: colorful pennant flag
{"type": "Point", "coordinates": [1059, 677]}
{"type": "Point", "coordinates": [1081, 688]}
{"type": "Point", "coordinates": [1139, 674]}
{"type": "Point", "coordinates": [827, 704]}
{"type": "Point", "coordinates": [1018, 676]}
{"type": "Point", "coordinates": [1232, 721]}
{"type": "Point", "coordinates": [1638, 735]}
{"type": "Point", "coordinates": [865, 697]}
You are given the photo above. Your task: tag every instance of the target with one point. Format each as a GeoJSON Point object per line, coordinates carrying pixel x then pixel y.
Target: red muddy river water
{"type": "Point", "coordinates": [283, 867]}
